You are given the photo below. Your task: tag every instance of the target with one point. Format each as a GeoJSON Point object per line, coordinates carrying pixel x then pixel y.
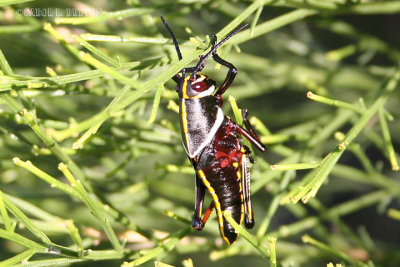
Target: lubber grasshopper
{"type": "Point", "coordinates": [213, 143]}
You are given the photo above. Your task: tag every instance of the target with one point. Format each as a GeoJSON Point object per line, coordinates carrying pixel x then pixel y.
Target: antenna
{"type": "Point", "coordinates": [215, 47]}
{"type": "Point", "coordinates": [178, 51]}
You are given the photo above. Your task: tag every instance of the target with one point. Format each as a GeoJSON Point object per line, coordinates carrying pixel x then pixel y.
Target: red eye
{"type": "Point", "coordinates": [199, 86]}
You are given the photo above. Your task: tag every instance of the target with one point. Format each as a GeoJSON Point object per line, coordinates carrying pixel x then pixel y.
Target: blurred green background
{"type": "Point", "coordinates": [342, 50]}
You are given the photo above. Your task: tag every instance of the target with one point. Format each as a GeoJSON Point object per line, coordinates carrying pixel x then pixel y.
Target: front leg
{"type": "Point", "coordinates": [230, 76]}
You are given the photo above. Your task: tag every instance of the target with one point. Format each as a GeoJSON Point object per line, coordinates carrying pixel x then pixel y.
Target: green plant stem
{"type": "Point", "coordinates": [388, 7]}
{"type": "Point", "coordinates": [167, 246]}
{"type": "Point", "coordinates": [52, 262]}
{"type": "Point", "coordinates": [272, 259]}
{"type": "Point", "coordinates": [341, 53]}
{"type": "Point", "coordinates": [156, 104]}
{"type": "Point", "coordinates": [131, 39]}
{"type": "Point", "coordinates": [4, 214]}
{"type": "Point", "coordinates": [268, 176]}
{"type": "Point", "coordinates": [334, 102]}
{"type": "Point", "coordinates": [337, 121]}
{"type": "Point", "coordinates": [26, 221]}
{"type": "Point", "coordinates": [310, 188]}
{"type": "Point", "coordinates": [374, 178]}
{"type": "Point", "coordinates": [97, 52]}
{"type": "Point", "coordinates": [281, 138]}
{"type": "Point", "coordinates": [241, 231]}
{"type": "Point", "coordinates": [85, 57]}
{"type": "Point", "coordinates": [272, 24]}
{"type": "Point", "coordinates": [56, 150]}
{"type": "Point", "coordinates": [13, 2]}
{"type": "Point", "coordinates": [393, 213]}
{"type": "Point", "coordinates": [273, 207]}
{"type": "Point", "coordinates": [255, 19]}
{"type": "Point", "coordinates": [322, 246]}
{"type": "Point", "coordinates": [53, 146]}
{"type": "Point", "coordinates": [388, 140]}
{"type": "Point", "coordinates": [297, 166]}
{"type": "Point", "coordinates": [334, 212]}
{"type": "Point", "coordinates": [23, 241]}
{"type": "Point", "coordinates": [44, 176]}
{"type": "Point", "coordinates": [242, 16]}
{"type": "Point", "coordinates": [57, 81]}
{"type": "Point", "coordinates": [21, 257]}
{"type": "Point", "coordinates": [14, 29]}
{"type": "Point", "coordinates": [92, 206]}
{"type": "Point", "coordinates": [33, 210]}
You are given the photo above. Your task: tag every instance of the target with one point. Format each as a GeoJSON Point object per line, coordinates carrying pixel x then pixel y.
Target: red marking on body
{"type": "Point", "coordinates": [227, 146]}
{"type": "Point", "coordinates": [224, 162]}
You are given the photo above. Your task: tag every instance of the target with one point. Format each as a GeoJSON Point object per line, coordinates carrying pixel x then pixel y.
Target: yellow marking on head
{"type": "Point", "coordinates": [184, 88]}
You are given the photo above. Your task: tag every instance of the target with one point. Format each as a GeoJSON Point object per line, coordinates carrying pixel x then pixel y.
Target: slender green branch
{"type": "Point", "coordinates": [26, 221]}
{"type": "Point", "coordinates": [272, 259]}
{"type": "Point", "coordinates": [242, 16]}
{"type": "Point", "coordinates": [388, 140]}
{"type": "Point", "coordinates": [307, 239]}
{"type": "Point", "coordinates": [97, 52]}
{"type": "Point", "coordinates": [338, 6]}
{"type": "Point", "coordinates": [93, 207]}
{"type": "Point", "coordinates": [272, 24]}
{"type": "Point", "coordinates": [130, 39]}
{"type": "Point", "coordinates": [334, 102]}
{"type": "Point", "coordinates": [393, 213]}
{"type": "Point", "coordinates": [44, 176]}
{"type": "Point", "coordinates": [241, 231]}
{"type": "Point", "coordinates": [341, 53]}
{"type": "Point", "coordinates": [52, 262]}
{"type": "Point", "coordinates": [4, 214]}
{"type": "Point", "coordinates": [171, 242]}
{"type": "Point", "coordinates": [156, 104]}
{"type": "Point", "coordinates": [339, 210]}
{"type": "Point", "coordinates": [13, 2]}
{"type": "Point", "coordinates": [297, 166]}
{"type": "Point", "coordinates": [255, 20]}
{"type": "Point", "coordinates": [316, 178]}
{"type": "Point", "coordinates": [21, 257]}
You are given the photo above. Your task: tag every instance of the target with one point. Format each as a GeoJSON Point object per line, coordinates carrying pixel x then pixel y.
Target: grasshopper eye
{"type": "Point", "coordinates": [199, 86]}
